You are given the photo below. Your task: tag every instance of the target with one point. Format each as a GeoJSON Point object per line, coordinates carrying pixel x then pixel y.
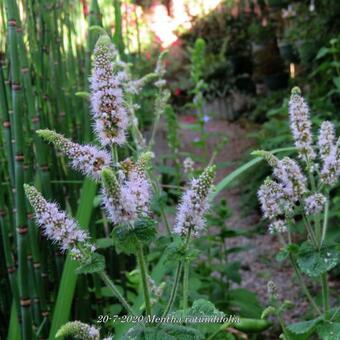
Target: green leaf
{"type": "Point", "coordinates": [282, 255]}
{"type": "Point", "coordinates": [315, 262]}
{"type": "Point", "coordinates": [95, 263]}
{"type": "Point", "coordinates": [304, 327]}
{"type": "Point", "coordinates": [232, 271]}
{"type": "Point", "coordinates": [68, 281]}
{"type": "Point", "coordinates": [200, 308]}
{"type": "Point", "coordinates": [163, 332]}
{"type": "Point", "coordinates": [322, 52]}
{"type": "Point", "coordinates": [329, 331]}
{"type": "Point", "coordinates": [245, 303]}
{"type": "Point", "coordinates": [103, 243]}
{"type": "Point", "coordinates": [336, 81]}
{"type": "Point", "coordinates": [284, 252]}
{"type": "Point", "coordinates": [125, 238]}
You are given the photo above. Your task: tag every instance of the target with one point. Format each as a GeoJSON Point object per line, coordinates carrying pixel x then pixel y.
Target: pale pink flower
{"type": "Point", "coordinates": [300, 125]}
{"type": "Point", "coordinates": [314, 203]}
{"type": "Point", "coordinates": [108, 108]}
{"type": "Point", "coordinates": [194, 204]}
{"type": "Point", "coordinates": [85, 158]}
{"type": "Point", "coordinates": [56, 225]}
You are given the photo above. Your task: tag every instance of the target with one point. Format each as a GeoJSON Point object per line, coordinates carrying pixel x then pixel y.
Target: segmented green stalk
{"type": "Point", "coordinates": [20, 211]}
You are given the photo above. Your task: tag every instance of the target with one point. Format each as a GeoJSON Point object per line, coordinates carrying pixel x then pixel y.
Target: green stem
{"type": "Point", "coordinates": [143, 272]}
{"type": "Point", "coordinates": [174, 289]}
{"type": "Point", "coordinates": [303, 285]}
{"type": "Point", "coordinates": [116, 292]}
{"type": "Point", "coordinates": [325, 295]}
{"type": "Point", "coordinates": [186, 284]}
{"type": "Point", "coordinates": [325, 222]}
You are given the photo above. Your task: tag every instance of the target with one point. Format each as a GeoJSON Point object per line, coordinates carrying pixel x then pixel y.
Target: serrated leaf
{"type": "Point", "coordinates": [163, 332]}
{"type": "Point", "coordinates": [329, 331]}
{"type": "Point", "coordinates": [304, 327]}
{"type": "Point", "coordinates": [200, 308]}
{"type": "Point", "coordinates": [315, 262]}
{"type": "Point", "coordinates": [94, 264]}
{"type": "Point", "coordinates": [125, 239]}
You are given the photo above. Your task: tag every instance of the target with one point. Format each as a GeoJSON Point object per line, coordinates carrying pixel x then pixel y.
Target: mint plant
{"type": "Point", "coordinates": [299, 193]}
{"type": "Point", "coordinates": [127, 189]}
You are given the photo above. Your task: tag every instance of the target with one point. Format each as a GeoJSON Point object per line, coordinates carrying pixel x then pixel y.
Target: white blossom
{"type": "Point", "coordinates": [300, 125]}
{"type": "Point", "coordinates": [78, 330]}
{"type": "Point", "coordinates": [277, 226]}
{"type": "Point", "coordinates": [108, 108]}
{"type": "Point", "coordinates": [127, 197]}
{"type": "Point", "coordinates": [326, 139]}
{"type": "Point", "coordinates": [330, 171]}
{"type": "Point", "coordinates": [188, 165]}
{"type": "Point", "coordinates": [85, 158]}
{"type": "Point", "coordinates": [55, 224]}
{"type": "Point", "coordinates": [273, 200]}
{"type": "Point", "coordinates": [314, 203]}
{"type": "Point", "coordinates": [194, 204]}
{"type": "Point", "coordinates": [293, 181]}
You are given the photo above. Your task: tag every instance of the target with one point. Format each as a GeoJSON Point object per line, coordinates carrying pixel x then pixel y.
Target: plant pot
{"type": "Point", "coordinates": [307, 50]}
{"type": "Point", "coordinates": [288, 51]}
{"type": "Point", "coordinates": [276, 81]}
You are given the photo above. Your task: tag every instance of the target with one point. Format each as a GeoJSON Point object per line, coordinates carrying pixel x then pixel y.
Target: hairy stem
{"type": "Point", "coordinates": [174, 289]}
{"type": "Point", "coordinates": [325, 295]}
{"type": "Point", "coordinates": [303, 285]}
{"type": "Point", "coordinates": [144, 274]}
{"type": "Point", "coordinates": [116, 292]}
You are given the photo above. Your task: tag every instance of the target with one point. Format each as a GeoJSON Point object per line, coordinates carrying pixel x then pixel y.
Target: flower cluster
{"type": "Point", "coordinates": [314, 203]}
{"type": "Point", "coordinates": [85, 158]}
{"type": "Point", "coordinates": [194, 204]}
{"type": "Point", "coordinates": [279, 198]}
{"type": "Point", "coordinates": [127, 197]}
{"type": "Point", "coordinates": [326, 140]}
{"type": "Point", "coordinates": [300, 125]}
{"type": "Point", "coordinates": [109, 113]}
{"type": "Point", "coordinates": [274, 202]}
{"type": "Point", "coordinates": [56, 225]}
{"type": "Point", "coordinates": [78, 330]}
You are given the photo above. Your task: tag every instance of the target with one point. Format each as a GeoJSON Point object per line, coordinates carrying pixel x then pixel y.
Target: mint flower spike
{"type": "Point", "coordinates": [107, 102]}
{"type": "Point", "coordinates": [85, 158]}
{"type": "Point", "coordinates": [330, 171]}
{"type": "Point", "coordinates": [57, 226]}
{"type": "Point", "coordinates": [78, 330]}
{"type": "Point", "coordinates": [127, 197]}
{"type": "Point", "coordinates": [300, 125]}
{"type": "Point", "coordinates": [314, 204]}
{"type": "Point", "coordinates": [293, 181]}
{"type": "Point", "coordinates": [194, 204]}
{"type": "Point", "coordinates": [327, 139]}
{"type": "Point", "coordinates": [273, 199]}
